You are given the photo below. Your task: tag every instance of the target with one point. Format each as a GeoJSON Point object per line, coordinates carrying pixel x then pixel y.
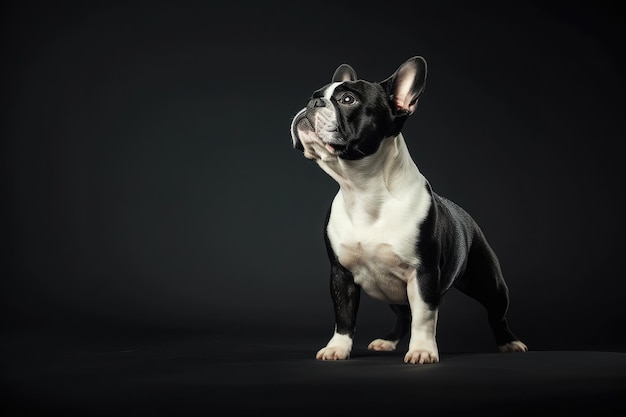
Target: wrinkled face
{"type": "Point", "coordinates": [347, 119]}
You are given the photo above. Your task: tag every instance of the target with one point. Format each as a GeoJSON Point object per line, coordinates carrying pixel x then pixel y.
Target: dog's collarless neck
{"type": "Point", "coordinates": [387, 171]}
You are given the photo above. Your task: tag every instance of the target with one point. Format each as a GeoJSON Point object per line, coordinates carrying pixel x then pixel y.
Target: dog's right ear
{"type": "Point", "coordinates": [344, 72]}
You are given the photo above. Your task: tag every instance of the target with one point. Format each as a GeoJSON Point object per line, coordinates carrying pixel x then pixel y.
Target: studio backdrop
{"type": "Point", "coordinates": [149, 177]}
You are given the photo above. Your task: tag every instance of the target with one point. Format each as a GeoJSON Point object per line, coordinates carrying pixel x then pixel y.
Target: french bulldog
{"type": "Point", "coordinates": [386, 231]}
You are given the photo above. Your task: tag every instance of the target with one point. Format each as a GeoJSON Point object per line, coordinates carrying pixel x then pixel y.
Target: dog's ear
{"type": "Point", "coordinates": [406, 85]}
{"type": "Point", "coordinates": [344, 72]}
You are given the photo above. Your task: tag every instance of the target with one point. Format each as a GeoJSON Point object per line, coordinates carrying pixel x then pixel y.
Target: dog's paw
{"type": "Point", "coordinates": [382, 345]}
{"type": "Point", "coordinates": [332, 353]}
{"type": "Point", "coordinates": [514, 346]}
{"type": "Point", "coordinates": [421, 356]}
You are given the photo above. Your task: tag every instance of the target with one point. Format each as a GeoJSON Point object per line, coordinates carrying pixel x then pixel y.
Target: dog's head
{"type": "Point", "coordinates": [349, 118]}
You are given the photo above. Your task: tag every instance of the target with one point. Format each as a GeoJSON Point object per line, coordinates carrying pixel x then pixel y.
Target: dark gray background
{"type": "Point", "coordinates": [149, 178]}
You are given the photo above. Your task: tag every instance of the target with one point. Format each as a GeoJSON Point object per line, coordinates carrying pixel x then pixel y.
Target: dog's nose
{"type": "Point", "coordinates": [317, 102]}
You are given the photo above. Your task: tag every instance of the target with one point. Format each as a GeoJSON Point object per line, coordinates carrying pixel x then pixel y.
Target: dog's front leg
{"type": "Point", "coordinates": [346, 295]}
{"type": "Point", "coordinates": [422, 345]}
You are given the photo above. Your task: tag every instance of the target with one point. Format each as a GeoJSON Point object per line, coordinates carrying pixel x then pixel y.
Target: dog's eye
{"type": "Point", "coordinates": [347, 98]}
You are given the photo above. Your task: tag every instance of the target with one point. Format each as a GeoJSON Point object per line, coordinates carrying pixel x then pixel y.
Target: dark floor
{"type": "Point", "coordinates": [195, 374]}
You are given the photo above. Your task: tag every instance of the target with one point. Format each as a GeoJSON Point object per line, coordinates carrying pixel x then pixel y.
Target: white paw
{"type": "Point", "coordinates": [338, 348]}
{"type": "Point", "coordinates": [514, 346]}
{"type": "Point", "coordinates": [421, 356]}
{"type": "Point", "coordinates": [332, 353]}
{"type": "Point", "coordinates": [382, 345]}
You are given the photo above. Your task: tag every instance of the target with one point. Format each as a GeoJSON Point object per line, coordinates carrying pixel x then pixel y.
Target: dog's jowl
{"type": "Point", "coordinates": [387, 232]}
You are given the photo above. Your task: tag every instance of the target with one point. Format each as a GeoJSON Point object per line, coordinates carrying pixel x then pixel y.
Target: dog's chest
{"type": "Point", "coordinates": [378, 244]}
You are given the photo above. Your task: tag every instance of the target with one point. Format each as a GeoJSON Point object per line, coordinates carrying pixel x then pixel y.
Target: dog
{"type": "Point", "coordinates": [386, 231]}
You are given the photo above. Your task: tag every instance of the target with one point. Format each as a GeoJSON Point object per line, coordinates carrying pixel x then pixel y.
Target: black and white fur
{"type": "Point", "coordinates": [387, 232]}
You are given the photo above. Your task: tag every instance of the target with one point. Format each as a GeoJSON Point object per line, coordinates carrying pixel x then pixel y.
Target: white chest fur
{"type": "Point", "coordinates": [373, 226]}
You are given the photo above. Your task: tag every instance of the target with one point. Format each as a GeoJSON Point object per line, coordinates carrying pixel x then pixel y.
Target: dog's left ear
{"type": "Point", "coordinates": [344, 72]}
{"type": "Point", "coordinates": [406, 85]}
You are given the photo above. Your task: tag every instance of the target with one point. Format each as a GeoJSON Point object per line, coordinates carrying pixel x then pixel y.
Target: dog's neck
{"type": "Point", "coordinates": [369, 182]}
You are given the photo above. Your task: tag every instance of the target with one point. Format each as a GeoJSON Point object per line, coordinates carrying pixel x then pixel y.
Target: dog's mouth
{"type": "Point", "coordinates": [330, 140]}
{"type": "Point", "coordinates": [306, 123]}
{"type": "Point", "coordinates": [335, 148]}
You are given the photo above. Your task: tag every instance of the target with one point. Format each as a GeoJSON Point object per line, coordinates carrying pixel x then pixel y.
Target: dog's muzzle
{"type": "Point", "coordinates": [320, 118]}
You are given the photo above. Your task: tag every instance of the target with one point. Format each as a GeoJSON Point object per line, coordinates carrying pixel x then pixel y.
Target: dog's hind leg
{"type": "Point", "coordinates": [401, 327]}
{"type": "Point", "coordinates": [484, 282]}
